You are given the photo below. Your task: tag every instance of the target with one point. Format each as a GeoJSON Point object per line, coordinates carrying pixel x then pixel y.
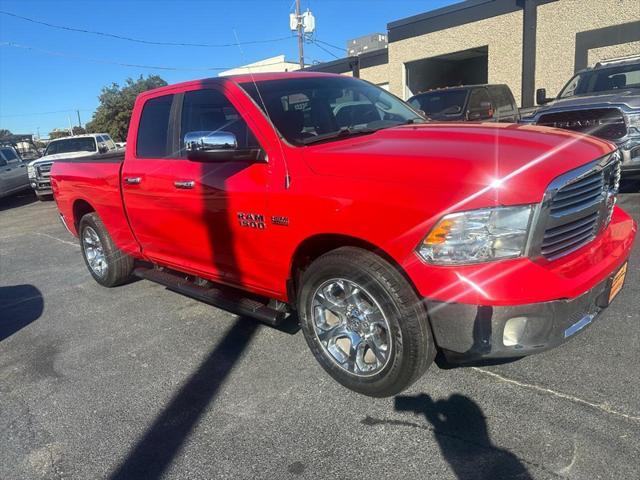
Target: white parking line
{"type": "Point", "coordinates": [600, 406]}
{"type": "Point", "coordinates": [58, 239]}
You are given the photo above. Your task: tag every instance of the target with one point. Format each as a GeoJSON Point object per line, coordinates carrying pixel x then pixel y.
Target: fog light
{"type": "Point", "coordinates": [513, 331]}
{"type": "Point", "coordinates": [33, 185]}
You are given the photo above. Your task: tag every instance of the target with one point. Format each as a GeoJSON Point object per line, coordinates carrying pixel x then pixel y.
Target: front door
{"type": "Point", "coordinates": [12, 170]}
{"type": "Point", "coordinates": [192, 215]}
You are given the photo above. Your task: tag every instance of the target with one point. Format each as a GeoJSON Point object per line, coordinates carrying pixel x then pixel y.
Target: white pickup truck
{"type": "Point", "coordinates": [67, 147]}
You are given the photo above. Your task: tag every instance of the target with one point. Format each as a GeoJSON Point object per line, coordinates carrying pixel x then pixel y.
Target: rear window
{"type": "Point", "coordinates": [68, 145]}
{"type": "Point", "coordinates": [441, 102]}
{"type": "Point", "coordinates": [153, 128]}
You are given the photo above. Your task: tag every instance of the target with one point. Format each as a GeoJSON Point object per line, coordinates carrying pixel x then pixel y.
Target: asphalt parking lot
{"type": "Point", "coordinates": [140, 382]}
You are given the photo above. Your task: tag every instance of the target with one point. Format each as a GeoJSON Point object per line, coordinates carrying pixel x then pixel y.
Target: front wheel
{"type": "Point", "coordinates": [107, 264]}
{"type": "Point", "coordinates": [364, 323]}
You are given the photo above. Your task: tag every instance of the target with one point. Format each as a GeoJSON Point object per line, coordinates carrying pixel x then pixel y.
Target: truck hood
{"type": "Point", "coordinates": [58, 156]}
{"type": "Point", "coordinates": [460, 159]}
{"type": "Point", "coordinates": [627, 99]}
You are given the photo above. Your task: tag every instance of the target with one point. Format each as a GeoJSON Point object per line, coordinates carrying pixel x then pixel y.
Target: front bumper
{"type": "Point", "coordinates": [41, 186]}
{"type": "Point", "coordinates": [549, 300]}
{"type": "Point", "coordinates": [471, 332]}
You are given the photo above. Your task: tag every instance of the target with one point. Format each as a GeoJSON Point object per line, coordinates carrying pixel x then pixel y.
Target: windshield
{"type": "Point", "coordinates": [603, 80]}
{"type": "Point", "coordinates": [450, 102]}
{"type": "Point", "coordinates": [84, 144]}
{"type": "Point", "coordinates": [306, 110]}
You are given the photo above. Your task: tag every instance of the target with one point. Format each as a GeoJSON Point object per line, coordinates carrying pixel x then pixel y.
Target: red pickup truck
{"type": "Point", "coordinates": [327, 197]}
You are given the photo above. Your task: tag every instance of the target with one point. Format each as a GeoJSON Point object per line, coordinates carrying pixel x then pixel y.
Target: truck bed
{"type": "Point", "coordinates": [79, 183]}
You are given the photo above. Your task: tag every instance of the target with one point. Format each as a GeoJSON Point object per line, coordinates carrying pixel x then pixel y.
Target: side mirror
{"type": "Point", "coordinates": [103, 149]}
{"type": "Point", "coordinates": [484, 111]}
{"type": "Point", "coordinates": [218, 146]}
{"type": "Point", "coordinates": [541, 96]}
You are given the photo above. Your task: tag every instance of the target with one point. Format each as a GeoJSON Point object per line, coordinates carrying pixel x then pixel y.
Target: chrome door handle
{"type": "Point", "coordinates": [132, 180]}
{"type": "Point", "coordinates": [185, 185]}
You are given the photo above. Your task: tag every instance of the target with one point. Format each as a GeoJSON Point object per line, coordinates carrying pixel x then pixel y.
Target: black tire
{"type": "Point", "coordinates": [411, 350]}
{"type": "Point", "coordinates": [118, 264]}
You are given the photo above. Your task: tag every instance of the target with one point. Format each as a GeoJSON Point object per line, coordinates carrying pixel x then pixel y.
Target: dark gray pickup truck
{"type": "Point", "coordinates": [603, 101]}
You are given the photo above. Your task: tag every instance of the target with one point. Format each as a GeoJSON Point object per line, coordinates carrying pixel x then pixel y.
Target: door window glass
{"type": "Point", "coordinates": [478, 96]}
{"type": "Point", "coordinates": [10, 155]}
{"type": "Point", "coordinates": [210, 111]}
{"type": "Point", "coordinates": [153, 128]}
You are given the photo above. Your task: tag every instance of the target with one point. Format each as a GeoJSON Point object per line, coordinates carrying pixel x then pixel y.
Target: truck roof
{"type": "Point", "coordinates": [240, 78]}
{"type": "Point", "coordinates": [84, 135]}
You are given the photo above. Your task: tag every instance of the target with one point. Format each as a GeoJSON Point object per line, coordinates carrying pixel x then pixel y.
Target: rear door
{"type": "Point", "coordinates": [188, 214]}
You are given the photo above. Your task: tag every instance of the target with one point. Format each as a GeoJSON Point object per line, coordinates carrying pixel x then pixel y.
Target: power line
{"type": "Point", "coordinates": [139, 40]}
{"type": "Point", "coordinates": [324, 49]}
{"type": "Point", "coordinates": [330, 45]}
{"type": "Point", "coordinates": [121, 64]}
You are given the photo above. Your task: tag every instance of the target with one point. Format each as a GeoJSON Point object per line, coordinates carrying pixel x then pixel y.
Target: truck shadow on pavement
{"type": "Point", "coordinates": [18, 200]}
{"type": "Point", "coordinates": [20, 305]}
{"type": "Point", "coordinates": [460, 428]}
{"type": "Point", "coordinates": [156, 449]}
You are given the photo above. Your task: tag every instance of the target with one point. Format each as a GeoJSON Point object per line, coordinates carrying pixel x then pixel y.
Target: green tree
{"type": "Point", "coordinates": [116, 103]}
{"type": "Point", "coordinates": [58, 133]}
{"type": "Point", "coordinates": [4, 133]}
{"type": "Point", "coordinates": [79, 131]}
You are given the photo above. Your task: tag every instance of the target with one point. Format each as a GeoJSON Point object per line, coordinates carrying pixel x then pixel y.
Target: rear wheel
{"type": "Point", "coordinates": [107, 264]}
{"type": "Point", "coordinates": [364, 323]}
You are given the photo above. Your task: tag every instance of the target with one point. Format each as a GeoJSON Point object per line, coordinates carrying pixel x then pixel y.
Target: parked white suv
{"type": "Point", "coordinates": [67, 147]}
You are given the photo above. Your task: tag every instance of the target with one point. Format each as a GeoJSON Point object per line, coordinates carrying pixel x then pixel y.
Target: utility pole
{"type": "Point", "coordinates": [300, 35]}
{"type": "Point", "coordinates": [79, 122]}
{"type": "Point", "coordinates": [304, 24]}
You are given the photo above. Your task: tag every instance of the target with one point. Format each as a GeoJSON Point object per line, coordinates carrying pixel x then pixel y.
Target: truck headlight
{"type": "Point", "coordinates": [477, 236]}
{"type": "Point", "coordinates": [31, 171]}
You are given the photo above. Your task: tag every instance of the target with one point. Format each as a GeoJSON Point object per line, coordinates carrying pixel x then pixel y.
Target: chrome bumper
{"type": "Point", "coordinates": [468, 333]}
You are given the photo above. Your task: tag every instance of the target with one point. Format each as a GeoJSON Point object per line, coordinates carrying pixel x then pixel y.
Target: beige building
{"type": "Point", "coordinates": [526, 44]}
{"type": "Point", "coordinates": [272, 64]}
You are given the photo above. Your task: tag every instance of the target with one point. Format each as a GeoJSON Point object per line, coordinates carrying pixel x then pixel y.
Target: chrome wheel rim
{"type": "Point", "coordinates": [94, 252]}
{"type": "Point", "coordinates": [351, 327]}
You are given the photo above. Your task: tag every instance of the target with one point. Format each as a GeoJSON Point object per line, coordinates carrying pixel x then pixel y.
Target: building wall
{"type": "Point", "coordinates": [502, 34]}
{"type": "Point", "coordinates": [558, 24]}
{"type": "Point", "coordinates": [378, 74]}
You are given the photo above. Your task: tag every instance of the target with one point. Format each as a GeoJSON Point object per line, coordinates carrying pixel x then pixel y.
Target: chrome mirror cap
{"type": "Point", "coordinates": [203, 141]}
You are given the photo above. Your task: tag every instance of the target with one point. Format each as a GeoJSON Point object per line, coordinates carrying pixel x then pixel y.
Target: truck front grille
{"type": "Point", "coordinates": [578, 206]}
{"type": "Point", "coordinates": [578, 195]}
{"type": "Point", "coordinates": [44, 169]}
{"type": "Point", "coordinates": [607, 123]}
{"type": "Point", "coordinates": [568, 237]}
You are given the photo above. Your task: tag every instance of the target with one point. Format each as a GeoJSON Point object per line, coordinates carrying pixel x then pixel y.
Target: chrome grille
{"type": "Point", "coordinates": [578, 195]}
{"type": "Point", "coordinates": [577, 206]}
{"type": "Point", "coordinates": [44, 169]}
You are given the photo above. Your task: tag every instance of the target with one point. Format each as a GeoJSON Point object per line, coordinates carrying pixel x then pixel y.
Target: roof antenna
{"type": "Point", "coordinates": [287, 177]}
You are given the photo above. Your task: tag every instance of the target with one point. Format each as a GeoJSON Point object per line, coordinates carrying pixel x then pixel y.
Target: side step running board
{"type": "Point", "coordinates": [226, 298]}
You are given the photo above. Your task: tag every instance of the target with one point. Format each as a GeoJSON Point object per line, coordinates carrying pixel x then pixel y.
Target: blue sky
{"type": "Point", "coordinates": [34, 83]}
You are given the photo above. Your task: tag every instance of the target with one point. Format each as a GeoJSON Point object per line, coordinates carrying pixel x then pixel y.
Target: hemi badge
{"type": "Point", "coordinates": [277, 220]}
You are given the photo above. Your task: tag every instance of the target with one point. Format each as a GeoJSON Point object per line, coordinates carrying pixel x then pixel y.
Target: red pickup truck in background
{"type": "Point", "coordinates": [390, 237]}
